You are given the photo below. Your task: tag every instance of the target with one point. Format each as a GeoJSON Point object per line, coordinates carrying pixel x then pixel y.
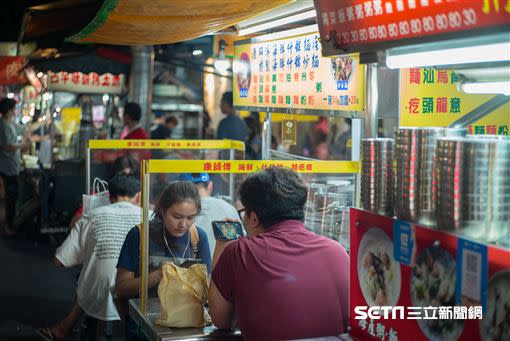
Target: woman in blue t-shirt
{"type": "Point", "coordinates": [169, 236]}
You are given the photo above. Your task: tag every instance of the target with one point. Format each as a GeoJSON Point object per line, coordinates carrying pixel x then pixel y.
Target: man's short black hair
{"type": "Point", "coordinates": [6, 104]}
{"type": "Point", "coordinates": [274, 194]}
{"type": "Point", "coordinates": [122, 184]}
{"type": "Point", "coordinates": [172, 119]}
{"type": "Point", "coordinates": [133, 111]}
{"type": "Point", "coordinates": [228, 98]}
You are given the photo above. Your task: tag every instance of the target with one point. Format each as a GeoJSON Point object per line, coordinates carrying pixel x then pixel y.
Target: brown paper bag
{"type": "Point", "coordinates": [182, 294]}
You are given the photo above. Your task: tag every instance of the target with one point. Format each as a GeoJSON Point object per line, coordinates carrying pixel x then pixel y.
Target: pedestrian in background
{"type": "Point", "coordinates": [9, 161]}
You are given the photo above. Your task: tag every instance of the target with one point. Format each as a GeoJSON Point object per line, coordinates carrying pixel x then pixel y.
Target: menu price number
{"type": "Point", "coordinates": [454, 20]}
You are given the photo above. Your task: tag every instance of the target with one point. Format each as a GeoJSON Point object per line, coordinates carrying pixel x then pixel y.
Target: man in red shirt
{"type": "Point", "coordinates": [281, 282]}
{"type": "Point", "coordinates": [132, 129]}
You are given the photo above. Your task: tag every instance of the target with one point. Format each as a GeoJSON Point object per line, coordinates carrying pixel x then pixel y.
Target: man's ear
{"type": "Point", "coordinates": [138, 198]}
{"type": "Point", "coordinates": [209, 187]}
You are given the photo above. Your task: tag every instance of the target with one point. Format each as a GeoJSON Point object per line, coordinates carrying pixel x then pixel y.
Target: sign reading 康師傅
{"type": "Point", "coordinates": [430, 98]}
{"type": "Point", "coordinates": [291, 73]}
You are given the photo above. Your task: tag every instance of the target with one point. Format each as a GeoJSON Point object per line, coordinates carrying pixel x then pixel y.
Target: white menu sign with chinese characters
{"type": "Point", "coordinates": [91, 83]}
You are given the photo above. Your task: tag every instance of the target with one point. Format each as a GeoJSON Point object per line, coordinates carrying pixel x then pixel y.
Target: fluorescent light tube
{"type": "Point", "coordinates": [288, 33]}
{"type": "Point", "coordinates": [462, 55]}
{"type": "Point", "coordinates": [486, 88]}
{"type": "Point", "coordinates": [278, 22]}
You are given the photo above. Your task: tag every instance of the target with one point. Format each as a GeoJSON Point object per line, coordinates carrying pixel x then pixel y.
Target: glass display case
{"type": "Point", "coordinates": [329, 196]}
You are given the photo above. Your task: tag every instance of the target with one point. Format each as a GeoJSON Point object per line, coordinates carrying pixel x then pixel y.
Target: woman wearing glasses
{"type": "Point", "coordinates": [172, 234]}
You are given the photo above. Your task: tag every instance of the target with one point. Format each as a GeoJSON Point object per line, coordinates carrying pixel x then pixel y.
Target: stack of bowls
{"type": "Point", "coordinates": [486, 188]}
{"type": "Point", "coordinates": [447, 189]}
{"type": "Point", "coordinates": [377, 175]}
{"type": "Point", "coordinates": [415, 150]}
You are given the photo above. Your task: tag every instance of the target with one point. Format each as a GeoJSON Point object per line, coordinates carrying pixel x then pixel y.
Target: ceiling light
{"type": "Point", "coordinates": [278, 22]}
{"type": "Point", "coordinates": [197, 52]}
{"type": "Point", "coordinates": [40, 74]}
{"type": "Point", "coordinates": [10, 95]}
{"type": "Point", "coordinates": [486, 88]}
{"type": "Point", "coordinates": [288, 33]}
{"type": "Point", "coordinates": [449, 56]}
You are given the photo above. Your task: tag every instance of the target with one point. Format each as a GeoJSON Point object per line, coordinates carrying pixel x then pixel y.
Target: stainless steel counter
{"type": "Point", "coordinates": [157, 333]}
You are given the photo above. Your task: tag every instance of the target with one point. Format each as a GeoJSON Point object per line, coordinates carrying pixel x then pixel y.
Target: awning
{"type": "Point", "coordinates": [142, 22]}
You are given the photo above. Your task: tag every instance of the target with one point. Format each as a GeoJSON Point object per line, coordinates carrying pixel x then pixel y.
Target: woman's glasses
{"type": "Point", "coordinates": [242, 213]}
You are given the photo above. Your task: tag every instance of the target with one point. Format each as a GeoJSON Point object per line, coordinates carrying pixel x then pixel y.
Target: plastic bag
{"type": "Point", "coordinates": [182, 294]}
{"type": "Point", "coordinates": [99, 198]}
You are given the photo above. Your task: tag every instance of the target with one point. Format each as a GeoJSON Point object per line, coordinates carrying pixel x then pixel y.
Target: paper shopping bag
{"type": "Point", "coordinates": [182, 294]}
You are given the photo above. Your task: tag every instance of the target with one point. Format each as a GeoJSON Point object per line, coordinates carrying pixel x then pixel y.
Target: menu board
{"type": "Point", "coordinates": [291, 74]}
{"type": "Point", "coordinates": [366, 25]}
{"type": "Point", "coordinates": [436, 286]}
{"type": "Point", "coordinates": [430, 98]}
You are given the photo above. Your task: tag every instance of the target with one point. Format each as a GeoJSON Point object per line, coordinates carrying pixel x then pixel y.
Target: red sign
{"type": "Point", "coordinates": [11, 70]}
{"type": "Point", "coordinates": [85, 83]}
{"type": "Point", "coordinates": [356, 25]}
{"type": "Point", "coordinates": [428, 283]}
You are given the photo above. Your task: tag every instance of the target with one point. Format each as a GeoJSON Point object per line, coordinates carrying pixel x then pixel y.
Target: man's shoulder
{"type": "Point", "coordinates": [217, 202]}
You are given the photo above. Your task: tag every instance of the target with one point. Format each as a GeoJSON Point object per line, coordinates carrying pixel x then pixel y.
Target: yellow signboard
{"type": "Point", "coordinates": [166, 144]}
{"type": "Point", "coordinates": [242, 166]}
{"type": "Point", "coordinates": [430, 98]}
{"type": "Point", "coordinates": [292, 74]}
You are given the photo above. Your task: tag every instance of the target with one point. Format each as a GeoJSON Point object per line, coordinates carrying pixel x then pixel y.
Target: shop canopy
{"type": "Point", "coordinates": [142, 22]}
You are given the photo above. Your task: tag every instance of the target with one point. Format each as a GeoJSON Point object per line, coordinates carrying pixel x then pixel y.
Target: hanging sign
{"type": "Point", "coordinates": [292, 73]}
{"type": "Point", "coordinates": [86, 83]}
{"type": "Point", "coordinates": [289, 132]}
{"type": "Point", "coordinates": [430, 98]}
{"type": "Point", "coordinates": [413, 280]}
{"type": "Point", "coordinates": [361, 25]}
{"type": "Point", "coordinates": [246, 166]}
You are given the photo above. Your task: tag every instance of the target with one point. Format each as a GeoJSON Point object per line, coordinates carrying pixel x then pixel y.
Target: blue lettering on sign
{"type": "Point", "coordinates": [344, 100]}
{"type": "Point", "coordinates": [403, 241]}
{"type": "Point", "coordinates": [330, 100]}
{"type": "Point", "coordinates": [472, 267]}
{"type": "Point", "coordinates": [243, 92]}
{"type": "Point", "coordinates": [342, 85]}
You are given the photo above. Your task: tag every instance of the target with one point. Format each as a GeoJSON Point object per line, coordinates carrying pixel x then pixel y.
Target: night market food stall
{"type": "Point", "coordinates": [439, 269]}
{"type": "Point", "coordinates": [147, 309]}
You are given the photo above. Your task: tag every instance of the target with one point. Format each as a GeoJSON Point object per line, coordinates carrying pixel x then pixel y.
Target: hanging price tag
{"type": "Point", "coordinates": [289, 132]}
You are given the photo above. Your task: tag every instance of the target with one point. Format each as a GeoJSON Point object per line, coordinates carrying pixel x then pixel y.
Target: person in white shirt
{"type": "Point", "coordinates": [213, 209]}
{"type": "Point", "coordinates": [95, 243]}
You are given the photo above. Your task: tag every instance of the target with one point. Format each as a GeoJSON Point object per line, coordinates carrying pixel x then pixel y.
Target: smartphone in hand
{"type": "Point", "coordinates": [227, 230]}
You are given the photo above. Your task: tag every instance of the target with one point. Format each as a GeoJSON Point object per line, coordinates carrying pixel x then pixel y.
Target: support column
{"type": "Point", "coordinates": [371, 112]}
{"type": "Point", "coordinates": [140, 81]}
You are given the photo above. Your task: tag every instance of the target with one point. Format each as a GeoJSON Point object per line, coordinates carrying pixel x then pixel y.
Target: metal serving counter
{"type": "Point", "coordinates": [157, 333]}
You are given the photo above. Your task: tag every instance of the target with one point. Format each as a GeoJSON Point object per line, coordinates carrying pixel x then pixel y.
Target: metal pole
{"type": "Point", "coordinates": [140, 81]}
{"type": "Point", "coordinates": [144, 239]}
{"type": "Point", "coordinates": [356, 136]}
{"type": "Point", "coordinates": [266, 137]}
{"type": "Point", "coordinates": [87, 171]}
{"type": "Point", "coordinates": [372, 107]}
{"type": "Point", "coordinates": [480, 112]}
{"type": "Point", "coordinates": [231, 177]}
